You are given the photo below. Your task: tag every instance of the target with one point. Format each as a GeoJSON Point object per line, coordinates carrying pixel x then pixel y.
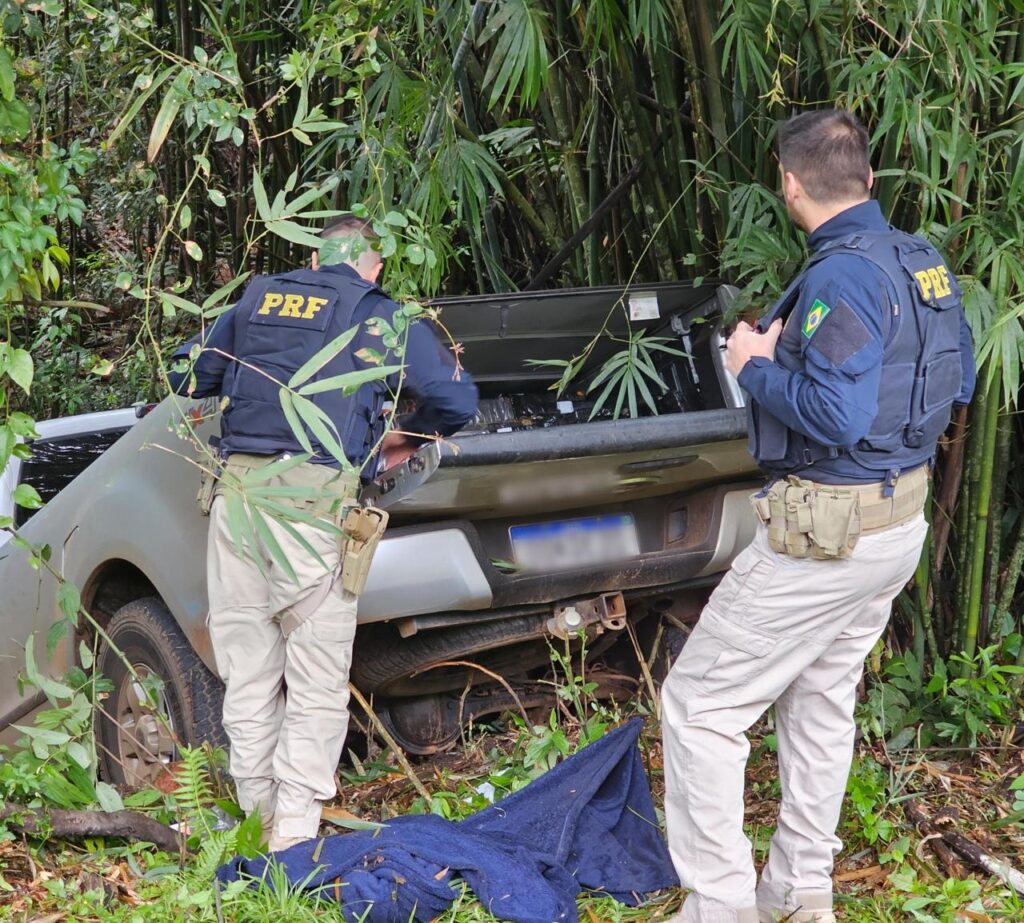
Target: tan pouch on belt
{"type": "Point", "coordinates": [806, 520]}
{"type": "Point", "coordinates": [835, 522]}
{"type": "Point", "coordinates": [362, 528]}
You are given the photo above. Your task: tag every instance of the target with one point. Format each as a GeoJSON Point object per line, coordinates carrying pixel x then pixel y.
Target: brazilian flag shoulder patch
{"type": "Point", "coordinates": [818, 312]}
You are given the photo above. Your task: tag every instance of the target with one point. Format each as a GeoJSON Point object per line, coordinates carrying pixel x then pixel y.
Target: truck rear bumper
{"type": "Point", "coordinates": [448, 567]}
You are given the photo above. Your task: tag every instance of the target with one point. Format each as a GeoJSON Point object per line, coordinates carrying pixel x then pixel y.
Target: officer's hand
{"type": "Point", "coordinates": [396, 448]}
{"type": "Point", "coordinates": [746, 342]}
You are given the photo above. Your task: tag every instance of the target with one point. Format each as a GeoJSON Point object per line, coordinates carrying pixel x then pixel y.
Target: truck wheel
{"type": "Point", "coordinates": [173, 698]}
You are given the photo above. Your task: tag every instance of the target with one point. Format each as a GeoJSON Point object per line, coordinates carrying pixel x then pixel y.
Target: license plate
{"type": "Point", "coordinates": [573, 543]}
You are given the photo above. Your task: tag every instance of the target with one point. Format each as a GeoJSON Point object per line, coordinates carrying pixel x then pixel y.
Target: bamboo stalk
{"type": "Point", "coordinates": [982, 515]}
{"type": "Point", "coordinates": [1001, 466]}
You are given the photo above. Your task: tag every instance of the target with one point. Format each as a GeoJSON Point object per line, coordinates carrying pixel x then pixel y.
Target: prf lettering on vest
{"type": "Point", "coordinates": [934, 282]}
{"type": "Point", "coordinates": [301, 306]}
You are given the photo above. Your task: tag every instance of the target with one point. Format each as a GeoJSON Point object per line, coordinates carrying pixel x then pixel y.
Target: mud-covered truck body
{"type": "Point", "coordinates": [539, 522]}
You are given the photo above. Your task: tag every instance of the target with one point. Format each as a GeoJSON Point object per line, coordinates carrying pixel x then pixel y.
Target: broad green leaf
{"type": "Point", "coordinates": [20, 368]}
{"type": "Point", "coordinates": [249, 836]}
{"type": "Point", "coordinates": [48, 736]}
{"type": "Point", "coordinates": [69, 599]}
{"type": "Point", "coordinates": [85, 655]}
{"type": "Point", "coordinates": [108, 798]}
{"type": "Point", "coordinates": [322, 356]}
{"type": "Point", "coordinates": [185, 217]}
{"type": "Point", "coordinates": [79, 754]}
{"type": "Point", "coordinates": [27, 497]}
{"type": "Point", "coordinates": [352, 823]}
{"type": "Point", "coordinates": [288, 513]}
{"type": "Point", "coordinates": [396, 219]}
{"type": "Point", "coordinates": [193, 250]}
{"type": "Point", "coordinates": [6, 75]}
{"type": "Point", "coordinates": [217, 197]}
{"type": "Point", "coordinates": [15, 120]}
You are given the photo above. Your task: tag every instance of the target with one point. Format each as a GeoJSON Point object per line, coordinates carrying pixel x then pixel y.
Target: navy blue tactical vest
{"type": "Point", "coordinates": [921, 364]}
{"type": "Point", "coordinates": [280, 322]}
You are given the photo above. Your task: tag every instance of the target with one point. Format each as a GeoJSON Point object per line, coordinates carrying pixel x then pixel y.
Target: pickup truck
{"type": "Point", "coordinates": [536, 526]}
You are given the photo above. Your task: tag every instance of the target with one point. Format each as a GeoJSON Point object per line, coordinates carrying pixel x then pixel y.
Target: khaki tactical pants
{"type": "Point", "coordinates": [285, 742]}
{"type": "Point", "coordinates": [794, 633]}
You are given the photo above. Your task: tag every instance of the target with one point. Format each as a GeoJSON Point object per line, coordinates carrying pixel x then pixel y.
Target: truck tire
{"type": "Point", "coordinates": [135, 746]}
{"type": "Point", "coordinates": [383, 661]}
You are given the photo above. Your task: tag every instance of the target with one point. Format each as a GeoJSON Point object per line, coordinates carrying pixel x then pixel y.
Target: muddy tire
{"type": "Point", "coordinates": [142, 725]}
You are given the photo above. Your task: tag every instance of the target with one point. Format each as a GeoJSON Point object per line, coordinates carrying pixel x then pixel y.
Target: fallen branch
{"type": "Point", "coordinates": [920, 819]}
{"type": "Point", "coordinates": [78, 825]}
{"type": "Point", "coordinates": [974, 854]}
{"type": "Point", "coordinates": [945, 842]}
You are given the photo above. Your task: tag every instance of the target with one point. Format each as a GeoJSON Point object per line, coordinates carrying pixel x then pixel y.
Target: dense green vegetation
{"type": "Point", "coordinates": [152, 151]}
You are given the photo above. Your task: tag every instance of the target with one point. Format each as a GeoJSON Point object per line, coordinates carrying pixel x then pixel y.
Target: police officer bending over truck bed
{"type": "Point", "coordinates": [852, 375]}
{"type": "Point", "coordinates": [268, 630]}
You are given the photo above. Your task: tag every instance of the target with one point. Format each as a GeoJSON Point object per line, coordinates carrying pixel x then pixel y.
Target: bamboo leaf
{"type": "Point", "coordinates": [259, 192]}
{"type": "Point", "coordinates": [322, 427]}
{"type": "Point", "coordinates": [298, 430]}
{"type": "Point", "coordinates": [168, 112]}
{"type": "Point", "coordinates": [274, 469]}
{"type": "Point", "coordinates": [136, 106]}
{"type": "Point", "coordinates": [294, 233]}
{"type": "Point", "coordinates": [222, 293]}
{"type": "Point", "coordinates": [270, 542]}
{"type": "Point", "coordinates": [349, 379]}
{"type": "Point", "coordinates": [319, 359]}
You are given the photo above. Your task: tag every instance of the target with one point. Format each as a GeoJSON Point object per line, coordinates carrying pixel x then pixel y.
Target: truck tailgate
{"type": "Point", "coordinates": [569, 467]}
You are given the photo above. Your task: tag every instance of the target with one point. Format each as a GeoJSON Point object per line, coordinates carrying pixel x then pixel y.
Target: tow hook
{"type": "Point", "coordinates": [608, 611]}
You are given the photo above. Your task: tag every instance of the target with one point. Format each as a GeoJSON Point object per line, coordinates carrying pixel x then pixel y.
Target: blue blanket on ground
{"type": "Point", "coordinates": [587, 825]}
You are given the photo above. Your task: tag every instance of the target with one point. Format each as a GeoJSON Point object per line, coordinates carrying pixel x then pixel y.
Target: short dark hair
{"type": "Point", "coordinates": [346, 238]}
{"type": "Point", "coordinates": [827, 150]}
{"type": "Point", "coordinates": [349, 226]}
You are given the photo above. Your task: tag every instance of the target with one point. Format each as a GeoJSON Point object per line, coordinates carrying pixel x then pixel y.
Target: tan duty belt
{"type": "Point", "coordinates": [878, 512]}
{"type": "Point", "coordinates": [807, 519]}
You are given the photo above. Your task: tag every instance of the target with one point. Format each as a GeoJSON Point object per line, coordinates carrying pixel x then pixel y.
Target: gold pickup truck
{"type": "Point", "coordinates": [534, 524]}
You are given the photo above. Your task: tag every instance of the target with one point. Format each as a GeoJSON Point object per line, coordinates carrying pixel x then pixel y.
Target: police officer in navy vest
{"type": "Point", "coordinates": [851, 376]}
{"type": "Point", "coordinates": [282, 635]}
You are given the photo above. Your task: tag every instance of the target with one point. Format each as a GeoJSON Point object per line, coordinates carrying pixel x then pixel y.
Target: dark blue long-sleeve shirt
{"type": "Point", "coordinates": [835, 404]}
{"type": "Point", "coordinates": [445, 400]}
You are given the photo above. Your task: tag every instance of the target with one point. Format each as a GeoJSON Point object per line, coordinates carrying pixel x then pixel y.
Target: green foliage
{"type": "Point", "coordinates": [867, 792]}
{"type": "Point", "coordinates": [945, 904]}
{"type": "Point", "coordinates": [953, 706]}
{"type": "Point", "coordinates": [55, 761]}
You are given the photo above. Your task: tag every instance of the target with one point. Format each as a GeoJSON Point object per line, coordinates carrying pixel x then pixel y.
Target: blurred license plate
{"type": "Point", "coordinates": [574, 543]}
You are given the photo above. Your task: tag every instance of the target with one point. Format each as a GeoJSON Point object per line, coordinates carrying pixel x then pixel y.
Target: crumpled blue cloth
{"type": "Point", "coordinates": [587, 825]}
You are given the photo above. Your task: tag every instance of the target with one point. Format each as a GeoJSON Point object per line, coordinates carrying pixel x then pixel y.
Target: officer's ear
{"type": "Point", "coordinates": [314, 260]}
{"type": "Point", "coordinates": [871, 178]}
{"type": "Point", "coordinates": [792, 188]}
